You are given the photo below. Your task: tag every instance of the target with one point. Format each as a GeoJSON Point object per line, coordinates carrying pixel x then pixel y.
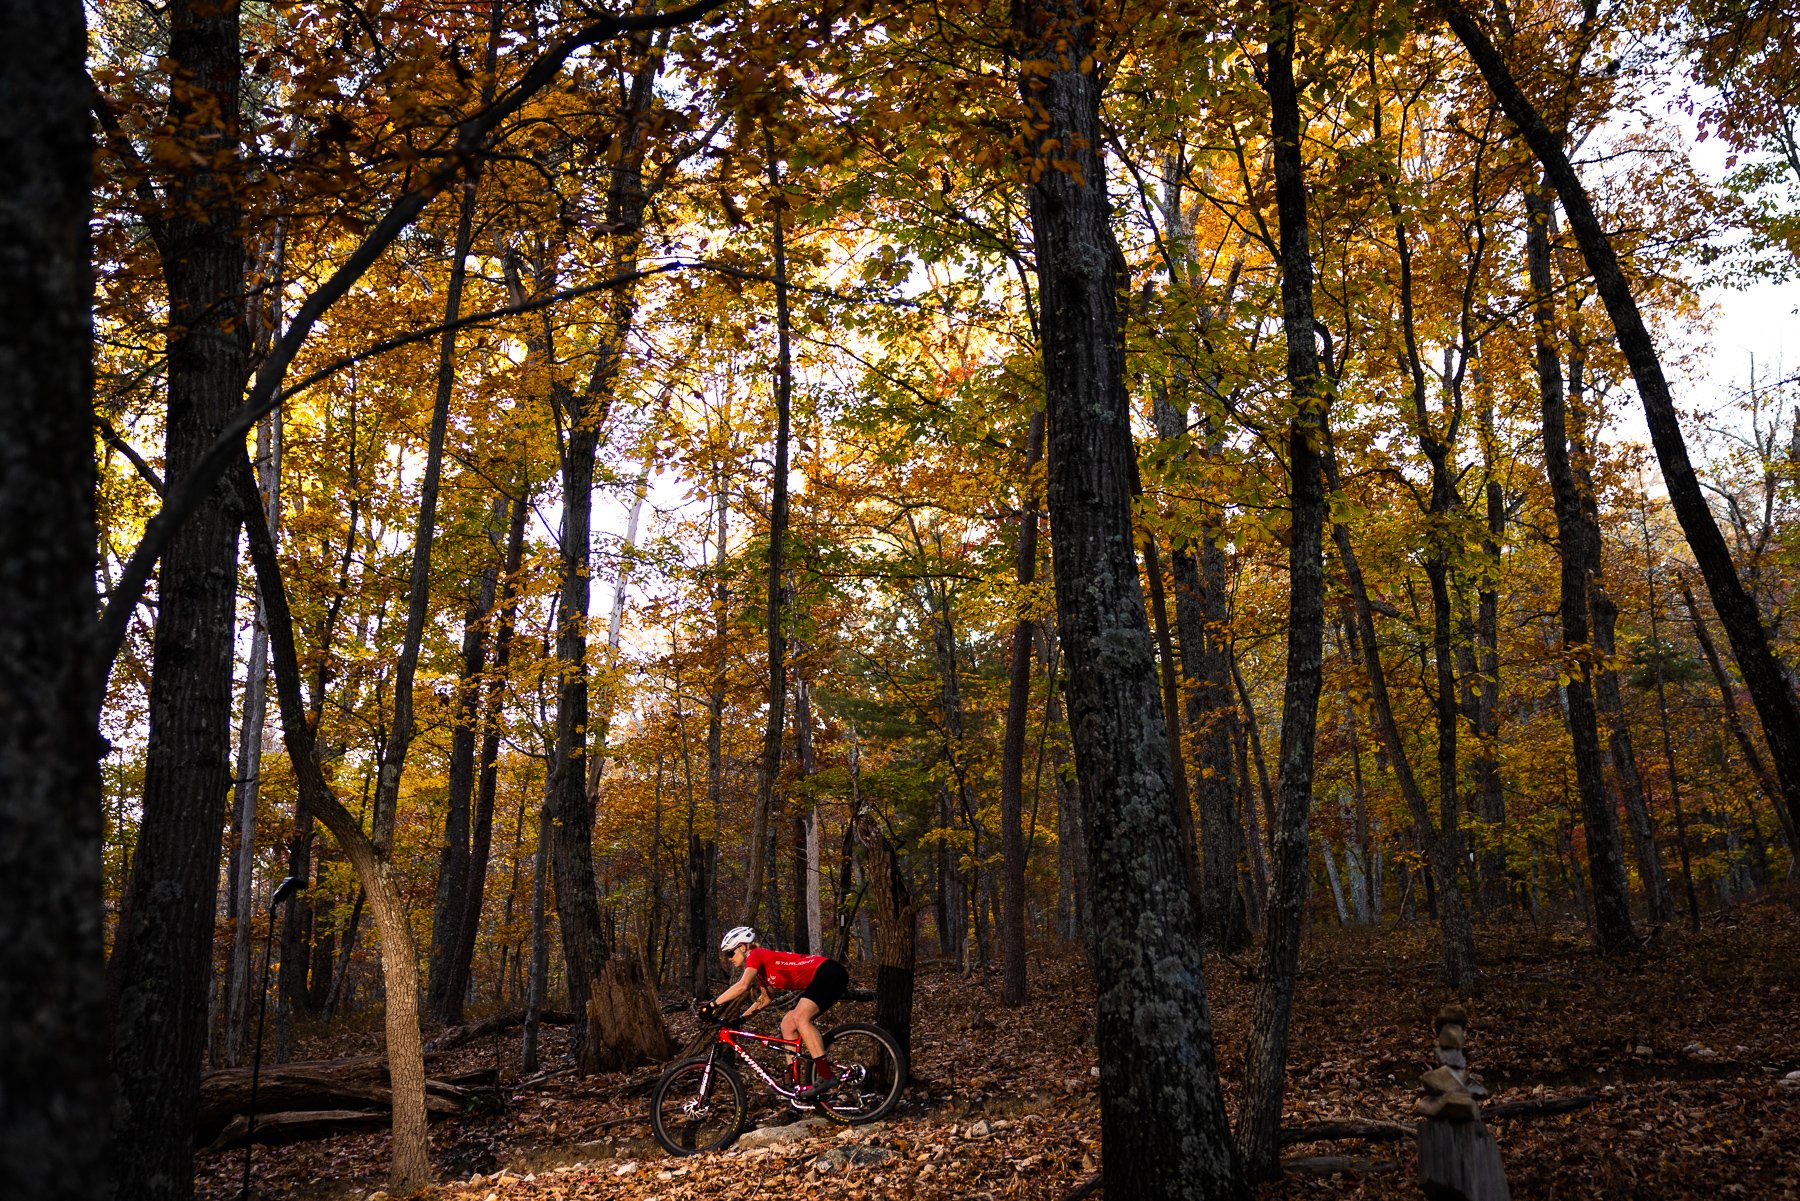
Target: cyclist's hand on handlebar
{"type": "Point", "coordinates": [706, 1011]}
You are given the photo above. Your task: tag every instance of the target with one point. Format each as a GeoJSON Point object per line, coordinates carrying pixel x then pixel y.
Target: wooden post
{"type": "Point", "coordinates": [1458, 1158]}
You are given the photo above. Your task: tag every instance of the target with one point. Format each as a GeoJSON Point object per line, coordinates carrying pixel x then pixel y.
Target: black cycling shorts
{"type": "Point", "coordinates": [829, 984]}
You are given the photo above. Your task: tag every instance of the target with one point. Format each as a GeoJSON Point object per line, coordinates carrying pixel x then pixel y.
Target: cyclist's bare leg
{"type": "Point", "coordinates": [798, 1023]}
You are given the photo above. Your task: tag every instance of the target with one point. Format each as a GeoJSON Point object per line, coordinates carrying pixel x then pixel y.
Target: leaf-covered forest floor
{"type": "Point", "coordinates": [1685, 1043]}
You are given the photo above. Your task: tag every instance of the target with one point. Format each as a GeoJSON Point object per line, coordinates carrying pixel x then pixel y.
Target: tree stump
{"type": "Point", "coordinates": [624, 1020]}
{"type": "Point", "coordinates": [1458, 1158]}
{"type": "Point", "coordinates": [894, 931]}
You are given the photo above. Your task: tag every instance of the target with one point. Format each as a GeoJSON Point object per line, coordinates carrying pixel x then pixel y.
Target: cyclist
{"type": "Point", "coordinates": [823, 983]}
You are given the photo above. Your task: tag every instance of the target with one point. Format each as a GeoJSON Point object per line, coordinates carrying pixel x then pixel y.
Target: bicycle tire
{"type": "Point", "coordinates": [687, 1118]}
{"type": "Point", "coordinates": [877, 1067]}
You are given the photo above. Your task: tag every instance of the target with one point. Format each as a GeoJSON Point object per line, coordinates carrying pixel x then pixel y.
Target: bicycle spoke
{"type": "Point", "coordinates": [871, 1072]}
{"type": "Point", "coordinates": [696, 1108]}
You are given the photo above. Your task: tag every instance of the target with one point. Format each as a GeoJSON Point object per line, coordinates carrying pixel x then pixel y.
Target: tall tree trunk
{"type": "Point", "coordinates": [615, 625]}
{"type": "Point", "coordinates": [1202, 618]}
{"type": "Point", "coordinates": [769, 768]}
{"type": "Point", "coordinates": [1162, 1118]}
{"type": "Point", "coordinates": [1265, 1058]}
{"type": "Point", "coordinates": [961, 886]}
{"type": "Point", "coordinates": [295, 940]}
{"type": "Point", "coordinates": [400, 730]}
{"type": "Point", "coordinates": [248, 784]}
{"type": "Point", "coordinates": [1460, 967]}
{"type": "Point", "coordinates": [1632, 790]}
{"type": "Point", "coordinates": [841, 910]}
{"type": "Point", "coordinates": [1202, 609]}
{"type": "Point", "coordinates": [339, 981]}
{"type": "Point", "coordinates": [1018, 717]}
{"type": "Point", "coordinates": [443, 993]}
{"type": "Point", "coordinates": [481, 838]}
{"type": "Point", "coordinates": [1072, 872]}
{"type": "Point", "coordinates": [1444, 843]}
{"type": "Point", "coordinates": [807, 935]}
{"type": "Point", "coordinates": [1259, 864]}
{"type": "Point", "coordinates": [537, 985]}
{"type": "Point", "coordinates": [570, 818]}
{"type": "Point", "coordinates": [162, 955]}
{"type": "Point", "coordinates": [410, 1159]}
{"type": "Point", "coordinates": [951, 909]}
{"type": "Point", "coordinates": [715, 744]}
{"type": "Point", "coordinates": [324, 955]}
{"type": "Point", "coordinates": [53, 1107]}
{"type": "Point", "coordinates": [1668, 741]}
{"type": "Point", "coordinates": [585, 942]}
{"type": "Point", "coordinates": [1737, 609]}
{"type": "Point", "coordinates": [1170, 682]}
{"type": "Point", "coordinates": [394, 750]}
{"type": "Point", "coordinates": [1253, 728]}
{"type": "Point", "coordinates": [1490, 795]}
{"type": "Point", "coordinates": [1606, 863]}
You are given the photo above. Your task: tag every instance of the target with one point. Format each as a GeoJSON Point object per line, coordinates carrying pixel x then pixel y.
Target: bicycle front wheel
{"type": "Point", "coordinates": [698, 1106]}
{"type": "Point", "coordinates": [872, 1071]}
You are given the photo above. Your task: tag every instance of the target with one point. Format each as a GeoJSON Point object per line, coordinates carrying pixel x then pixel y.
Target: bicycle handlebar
{"type": "Point", "coordinates": [713, 1018]}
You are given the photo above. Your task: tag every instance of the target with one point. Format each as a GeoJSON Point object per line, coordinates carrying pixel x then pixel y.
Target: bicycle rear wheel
{"type": "Point", "coordinates": [873, 1072]}
{"type": "Point", "coordinates": [698, 1106]}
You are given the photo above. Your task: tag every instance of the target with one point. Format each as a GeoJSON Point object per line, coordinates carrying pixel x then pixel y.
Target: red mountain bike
{"type": "Point", "coordinates": [700, 1103]}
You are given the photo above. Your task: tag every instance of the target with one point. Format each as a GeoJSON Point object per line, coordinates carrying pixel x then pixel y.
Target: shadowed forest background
{"type": "Point", "coordinates": [1076, 510]}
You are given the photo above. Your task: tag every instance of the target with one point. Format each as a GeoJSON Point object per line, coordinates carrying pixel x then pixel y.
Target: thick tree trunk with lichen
{"type": "Point", "coordinates": [1162, 1118]}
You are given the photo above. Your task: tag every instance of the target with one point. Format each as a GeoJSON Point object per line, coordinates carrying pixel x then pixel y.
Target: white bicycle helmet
{"type": "Point", "coordinates": [736, 937]}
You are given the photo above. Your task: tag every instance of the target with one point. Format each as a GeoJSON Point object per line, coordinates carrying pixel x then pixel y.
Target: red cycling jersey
{"type": "Point", "coordinates": [783, 969]}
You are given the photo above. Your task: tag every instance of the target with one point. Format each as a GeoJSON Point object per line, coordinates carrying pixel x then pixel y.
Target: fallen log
{"type": "Point", "coordinates": [293, 1126]}
{"type": "Point", "coordinates": [1368, 1131]}
{"type": "Point", "coordinates": [1334, 1165]}
{"type": "Point", "coordinates": [297, 1125]}
{"type": "Point", "coordinates": [499, 1023]}
{"type": "Point", "coordinates": [1540, 1107]}
{"type": "Point", "coordinates": [320, 1086]}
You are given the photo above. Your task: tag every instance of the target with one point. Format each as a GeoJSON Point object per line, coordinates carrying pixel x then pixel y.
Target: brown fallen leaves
{"type": "Point", "coordinates": [1685, 1043]}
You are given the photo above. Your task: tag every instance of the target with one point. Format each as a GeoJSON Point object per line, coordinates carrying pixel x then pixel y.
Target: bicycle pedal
{"type": "Point", "coordinates": [801, 1106]}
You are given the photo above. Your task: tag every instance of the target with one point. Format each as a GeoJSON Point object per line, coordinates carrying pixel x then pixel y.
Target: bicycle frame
{"type": "Point", "coordinates": [728, 1037]}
